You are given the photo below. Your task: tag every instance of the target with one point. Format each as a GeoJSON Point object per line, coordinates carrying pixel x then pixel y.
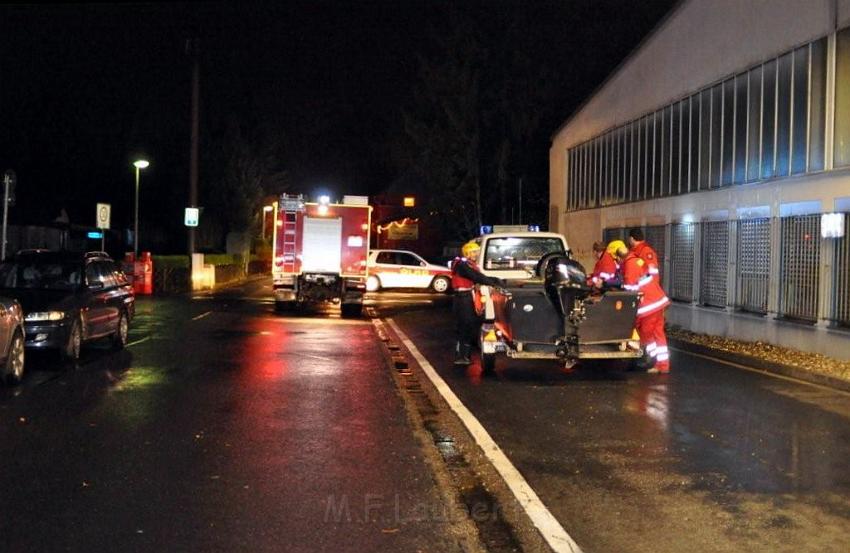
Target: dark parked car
{"type": "Point", "coordinates": [69, 298]}
{"type": "Point", "coordinates": [11, 341]}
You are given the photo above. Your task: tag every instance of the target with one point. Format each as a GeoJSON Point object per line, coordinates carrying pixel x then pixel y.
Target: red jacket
{"type": "Point", "coordinates": [645, 252]}
{"type": "Point", "coordinates": [604, 270]}
{"type": "Point", "coordinates": [636, 277]}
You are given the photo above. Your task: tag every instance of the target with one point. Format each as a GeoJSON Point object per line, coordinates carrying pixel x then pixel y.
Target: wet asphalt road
{"type": "Point", "coordinates": [222, 427]}
{"type": "Point", "coordinates": [709, 458]}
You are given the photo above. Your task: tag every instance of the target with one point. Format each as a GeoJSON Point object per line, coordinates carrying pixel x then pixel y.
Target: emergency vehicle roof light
{"type": "Point", "coordinates": [324, 200]}
{"type": "Point", "coordinates": [533, 228]}
{"type": "Point", "coordinates": [486, 229]}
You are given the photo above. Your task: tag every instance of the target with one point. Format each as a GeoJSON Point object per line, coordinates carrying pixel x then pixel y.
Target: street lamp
{"type": "Point", "coordinates": [139, 164]}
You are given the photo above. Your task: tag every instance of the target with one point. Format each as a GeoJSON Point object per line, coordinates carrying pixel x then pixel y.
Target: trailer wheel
{"type": "Point", "coordinates": [351, 310]}
{"type": "Point", "coordinates": [488, 363]}
{"type": "Point", "coordinates": [281, 306]}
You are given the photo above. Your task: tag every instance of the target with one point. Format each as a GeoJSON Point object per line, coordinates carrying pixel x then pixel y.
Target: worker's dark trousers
{"type": "Point", "coordinates": [467, 323]}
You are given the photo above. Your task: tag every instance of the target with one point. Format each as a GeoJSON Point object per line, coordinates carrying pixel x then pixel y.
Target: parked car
{"type": "Point", "coordinates": [404, 269]}
{"type": "Point", "coordinates": [69, 299]}
{"type": "Point", "coordinates": [11, 341]}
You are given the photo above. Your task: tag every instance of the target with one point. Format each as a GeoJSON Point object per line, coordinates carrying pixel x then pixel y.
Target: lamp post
{"type": "Point", "coordinates": [266, 209]}
{"type": "Point", "coordinates": [139, 164]}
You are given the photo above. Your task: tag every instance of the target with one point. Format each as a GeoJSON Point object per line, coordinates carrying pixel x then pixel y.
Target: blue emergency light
{"type": "Point", "coordinates": [486, 229]}
{"type": "Point", "coordinates": [533, 228]}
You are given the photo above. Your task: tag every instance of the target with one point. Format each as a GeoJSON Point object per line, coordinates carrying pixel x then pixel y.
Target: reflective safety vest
{"type": "Point", "coordinates": [459, 283]}
{"type": "Point", "coordinates": [645, 252]}
{"type": "Point", "coordinates": [637, 278]}
{"type": "Point", "coordinates": [605, 269]}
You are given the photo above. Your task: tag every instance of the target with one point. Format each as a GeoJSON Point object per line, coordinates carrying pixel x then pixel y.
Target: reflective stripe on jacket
{"type": "Point", "coordinates": [636, 277]}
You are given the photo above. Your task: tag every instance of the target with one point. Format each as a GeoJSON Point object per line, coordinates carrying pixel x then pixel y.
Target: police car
{"type": "Point", "coordinates": [404, 269]}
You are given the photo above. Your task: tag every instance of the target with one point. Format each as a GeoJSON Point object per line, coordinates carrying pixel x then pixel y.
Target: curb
{"type": "Point", "coordinates": [762, 365]}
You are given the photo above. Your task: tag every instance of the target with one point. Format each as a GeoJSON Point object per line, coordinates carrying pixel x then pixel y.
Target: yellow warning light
{"type": "Point", "coordinates": [491, 336]}
{"type": "Point", "coordinates": [409, 201]}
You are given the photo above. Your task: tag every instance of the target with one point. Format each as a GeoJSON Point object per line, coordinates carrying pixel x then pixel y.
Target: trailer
{"type": "Point", "coordinates": [320, 252]}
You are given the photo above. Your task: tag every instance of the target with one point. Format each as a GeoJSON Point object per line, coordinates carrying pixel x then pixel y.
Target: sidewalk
{"type": "Point", "coordinates": [808, 367]}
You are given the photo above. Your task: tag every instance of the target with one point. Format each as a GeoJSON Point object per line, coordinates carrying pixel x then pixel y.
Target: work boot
{"type": "Point", "coordinates": [462, 354]}
{"type": "Point", "coordinates": [646, 362]}
{"type": "Point", "coordinates": [662, 367]}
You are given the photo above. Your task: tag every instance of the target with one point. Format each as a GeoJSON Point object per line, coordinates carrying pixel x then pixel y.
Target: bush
{"type": "Point", "coordinates": [218, 259]}
{"type": "Point", "coordinates": [171, 262]}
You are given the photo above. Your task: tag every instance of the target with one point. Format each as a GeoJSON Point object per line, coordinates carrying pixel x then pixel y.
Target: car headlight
{"type": "Point", "coordinates": [45, 316]}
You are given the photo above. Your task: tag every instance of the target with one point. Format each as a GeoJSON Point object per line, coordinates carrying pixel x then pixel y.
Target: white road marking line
{"type": "Point", "coordinates": [546, 523]}
{"type": "Point", "coordinates": [201, 316]}
{"type": "Point", "coordinates": [139, 341]}
{"type": "Point", "coordinates": [761, 371]}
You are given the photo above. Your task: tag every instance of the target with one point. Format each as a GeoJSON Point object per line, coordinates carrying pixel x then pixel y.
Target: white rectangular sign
{"type": "Point", "coordinates": [103, 215]}
{"type": "Point", "coordinates": [191, 216]}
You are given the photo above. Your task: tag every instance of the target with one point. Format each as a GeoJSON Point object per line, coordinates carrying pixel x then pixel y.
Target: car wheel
{"type": "Point", "coordinates": [488, 363]}
{"type": "Point", "coordinates": [440, 284]}
{"type": "Point", "coordinates": [351, 309]}
{"type": "Point", "coordinates": [71, 351]}
{"type": "Point", "coordinates": [14, 369]}
{"type": "Point", "coordinates": [122, 333]}
{"type": "Point", "coordinates": [373, 284]}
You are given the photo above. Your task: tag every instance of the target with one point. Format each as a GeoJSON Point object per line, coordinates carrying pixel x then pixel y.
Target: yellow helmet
{"type": "Point", "coordinates": [469, 248]}
{"type": "Point", "coordinates": [614, 246]}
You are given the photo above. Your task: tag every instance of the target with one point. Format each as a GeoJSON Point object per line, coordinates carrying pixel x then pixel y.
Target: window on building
{"type": "Point", "coordinates": [783, 115]}
{"type": "Point", "coordinates": [817, 107]}
{"type": "Point", "coordinates": [741, 120]}
{"type": "Point", "coordinates": [727, 133]}
{"type": "Point", "coordinates": [693, 142]}
{"type": "Point", "coordinates": [705, 139]}
{"type": "Point", "coordinates": [841, 311]}
{"type": "Point", "coordinates": [754, 124]}
{"type": "Point", "coordinates": [675, 151]}
{"type": "Point", "coordinates": [716, 122]}
{"type": "Point", "coordinates": [800, 111]}
{"type": "Point", "coordinates": [768, 119]}
{"type": "Point", "coordinates": [842, 99]}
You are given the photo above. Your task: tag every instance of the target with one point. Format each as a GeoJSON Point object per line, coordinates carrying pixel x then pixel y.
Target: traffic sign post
{"type": "Point", "coordinates": [9, 180]}
{"type": "Point", "coordinates": [103, 215]}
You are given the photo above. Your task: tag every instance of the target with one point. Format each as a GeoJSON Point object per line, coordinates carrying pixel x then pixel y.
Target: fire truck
{"type": "Point", "coordinates": [320, 252]}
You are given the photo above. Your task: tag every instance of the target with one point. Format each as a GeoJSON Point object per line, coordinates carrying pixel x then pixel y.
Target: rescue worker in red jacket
{"type": "Point", "coordinates": [465, 275]}
{"type": "Point", "coordinates": [637, 243]}
{"type": "Point", "coordinates": [605, 270]}
{"type": "Point", "coordinates": [650, 314]}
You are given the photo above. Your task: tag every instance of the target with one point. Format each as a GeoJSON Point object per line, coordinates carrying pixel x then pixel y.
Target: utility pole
{"type": "Point", "coordinates": [8, 189]}
{"type": "Point", "coordinates": [192, 46]}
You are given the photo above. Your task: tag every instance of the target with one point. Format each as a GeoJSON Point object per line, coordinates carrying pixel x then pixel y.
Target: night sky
{"type": "Point", "coordinates": [84, 89]}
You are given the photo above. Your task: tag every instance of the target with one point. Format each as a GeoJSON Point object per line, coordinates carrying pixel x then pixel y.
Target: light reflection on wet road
{"type": "Point", "coordinates": [240, 430]}
{"type": "Point", "coordinates": [711, 458]}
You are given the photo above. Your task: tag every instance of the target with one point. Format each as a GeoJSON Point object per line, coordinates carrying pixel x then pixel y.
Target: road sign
{"type": "Point", "coordinates": [103, 215]}
{"type": "Point", "coordinates": [191, 216]}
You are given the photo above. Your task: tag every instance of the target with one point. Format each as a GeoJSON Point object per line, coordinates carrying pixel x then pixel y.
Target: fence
{"type": "Point", "coordinates": [737, 260]}
{"type": "Point", "coordinates": [753, 274]}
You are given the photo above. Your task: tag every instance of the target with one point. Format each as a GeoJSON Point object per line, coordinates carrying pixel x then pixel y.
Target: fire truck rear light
{"type": "Point", "coordinates": [355, 241]}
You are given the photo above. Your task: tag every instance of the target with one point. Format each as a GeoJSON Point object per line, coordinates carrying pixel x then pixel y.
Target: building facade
{"type": "Point", "coordinates": [726, 136]}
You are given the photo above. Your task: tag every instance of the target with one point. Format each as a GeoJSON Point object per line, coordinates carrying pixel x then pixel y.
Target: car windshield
{"type": "Point", "coordinates": [40, 274]}
{"type": "Point", "coordinates": [518, 253]}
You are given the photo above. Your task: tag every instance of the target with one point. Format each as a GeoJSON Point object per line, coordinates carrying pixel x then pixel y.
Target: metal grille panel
{"type": "Point", "coordinates": [799, 272]}
{"type": "Point", "coordinates": [841, 313]}
{"type": "Point", "coordinates": [753, 276]}
{"type": "Point", "coordinates": [682, 261]}
{"type": "Point", "coordinates": [715, 263]}
{"type": "Point", "coordinates": [610, 234]}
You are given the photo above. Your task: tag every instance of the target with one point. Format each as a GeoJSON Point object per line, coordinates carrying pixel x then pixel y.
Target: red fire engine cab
{"type": "Point", "coordinates": [320, 251]}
